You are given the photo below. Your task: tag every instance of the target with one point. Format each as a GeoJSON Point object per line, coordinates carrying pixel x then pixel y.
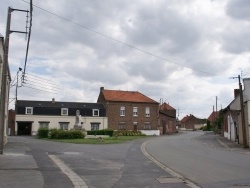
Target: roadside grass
{"type": "Point", "coordinates": [108, 140]}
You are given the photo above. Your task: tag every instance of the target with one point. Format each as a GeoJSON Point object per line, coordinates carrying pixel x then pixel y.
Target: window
{"type": "Point", "coordinates": [122, 111]}
{"type": "Point", "coordinates": [29, 110]}
{"type": "Point", "coordinates": [95, 112]}
{"type": "Point", "coordinates": [64, 125]}
{"type": "Point", "coordinates": [64, 111]}
{"type": "Point", "coordinates": [43, 124]}
{"type": "Point", "coordinates": [122, 126]}
{"type": "Point", "coordinates": [135, 111]}
{"type": "Point", "coordinates": [147, 126]}
{"type": "Point", "coordinates": [95, 126]}
{"type": "Point", "coordinates": [147, 112]}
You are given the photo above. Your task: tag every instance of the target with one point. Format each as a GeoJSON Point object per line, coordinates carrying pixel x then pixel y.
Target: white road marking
{"type": "Point", "coordinates": [75, 179]}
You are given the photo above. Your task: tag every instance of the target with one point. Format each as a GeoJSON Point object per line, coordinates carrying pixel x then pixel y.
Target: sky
{"type": "Point", "coordinates": [181, 52]}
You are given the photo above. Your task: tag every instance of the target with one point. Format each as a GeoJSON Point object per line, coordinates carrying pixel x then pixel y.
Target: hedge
{"type": "Point", "coordinates": [101, 132]}
{"type": "Point", "coordinates": [43, 132]}
{"type": "Point", "coordinates": [62, 134]}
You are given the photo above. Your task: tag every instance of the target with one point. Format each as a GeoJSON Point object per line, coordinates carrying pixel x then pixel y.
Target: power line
{"type": "Point", "coordinates": [39, 89]}
{"type": "Point", "coordinates": [41, 79]}
{"type": "Point", "coordinates": [118, 41]}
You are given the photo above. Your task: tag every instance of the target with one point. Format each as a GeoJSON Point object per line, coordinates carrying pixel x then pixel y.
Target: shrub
{"type": "Point", "coordinates": [62, 134]}
{"type": "Point", "coordinates": [129, 133]}
{"type": "Point", "coordinates": [43, 132]}
{"type": "Point", "coordinates": [101, 132]}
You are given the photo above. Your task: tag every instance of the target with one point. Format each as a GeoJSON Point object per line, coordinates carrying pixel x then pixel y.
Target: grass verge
{"type": "Point", "coordinates": [109, 140]}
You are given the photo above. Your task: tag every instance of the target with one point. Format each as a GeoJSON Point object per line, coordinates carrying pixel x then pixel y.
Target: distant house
{"type": "Point", "coordinates": [213, 116]}
{"type": "Point", "coordinates": [167, 119]}
{"type": "Point", "coordinates": [31, 115]}
{"type": "Point", "coordinates": [130, 110]}
{"type": "Point", "coordinates": [190, 122]}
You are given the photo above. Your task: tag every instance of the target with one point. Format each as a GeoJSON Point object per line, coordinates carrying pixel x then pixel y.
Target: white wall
{"type": "Point", "coordinates": [151, 132]}
{"type": "Point", "coordinates": [54, 121]}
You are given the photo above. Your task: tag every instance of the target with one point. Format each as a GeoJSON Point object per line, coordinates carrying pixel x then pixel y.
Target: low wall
{"type": "Point", "coordinates": [151, 132]}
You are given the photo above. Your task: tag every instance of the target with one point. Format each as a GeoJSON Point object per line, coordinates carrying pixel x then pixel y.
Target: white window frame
{"type": "Point", "coordinates": [66, 110]}
{"type": "Point", "coordinates": [43, 124]}
{"type": "Point", "coordinates": [122, 111]}
{"type": "Point", "coordinates": [122, 126]}
{"type": "Point", "coordinates": [27, 110]}
{"type": "Point", "coordinates": [95, 110]}
{"type": "Point", "coordinates": [95, 126]}
{"type": "Point", "coordinates": [135, 111]}
{"type": "Point", "coordinates": [64, 125]}
{"type": "Point", "coordinates": [147, 126]}
{"type": "Point", "coordinates": [147, 112]}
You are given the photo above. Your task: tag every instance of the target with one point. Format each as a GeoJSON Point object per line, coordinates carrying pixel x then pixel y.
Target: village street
{"type": "Point", "coordinates": [29, 162]}
{"type": "Point", "coordinates": [203, 160]}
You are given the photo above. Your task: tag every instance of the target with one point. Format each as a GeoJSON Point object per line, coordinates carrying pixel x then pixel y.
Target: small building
{"type": "Point", "coordinates": [32, 115]}
{"type": "Point", "coordinates": [190, 122]}
{"type": "Point", "coordinates": [167, 119]}
{"type": "Point", "coordinates": [130, 110]}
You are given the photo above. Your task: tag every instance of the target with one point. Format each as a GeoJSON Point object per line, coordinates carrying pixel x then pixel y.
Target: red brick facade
{"type": "Point", "coordinates": [167, 119]}
{"type": "Point", "coordinates": [133, 106]}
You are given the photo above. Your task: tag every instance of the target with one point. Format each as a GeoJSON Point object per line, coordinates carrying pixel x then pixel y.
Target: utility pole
{"type": "Point", "coordinates": [4, 76]}
{"type": "Point", "coordinates": [245, 145]}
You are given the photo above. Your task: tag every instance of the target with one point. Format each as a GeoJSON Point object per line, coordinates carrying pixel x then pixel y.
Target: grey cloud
{"type": "Point", "coordinates": [239, 9]}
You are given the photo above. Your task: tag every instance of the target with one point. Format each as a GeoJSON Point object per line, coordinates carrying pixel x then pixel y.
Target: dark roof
{"type": "Point", "coordinates": [126, 96]}
{"type": "Point", "coordinates": [27, 103]}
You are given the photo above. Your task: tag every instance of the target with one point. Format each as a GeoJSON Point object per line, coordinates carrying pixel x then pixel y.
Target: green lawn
{"type": "Point", "coordinates": [109, 140]}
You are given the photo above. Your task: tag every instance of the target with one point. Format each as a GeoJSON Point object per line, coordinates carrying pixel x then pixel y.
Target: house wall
{"type": "Point", "coordinates": [113, 114]}
{"type": "Point", "coordinates": [167, 125]}
{"type": "Point", "coordinates": [54, 121]}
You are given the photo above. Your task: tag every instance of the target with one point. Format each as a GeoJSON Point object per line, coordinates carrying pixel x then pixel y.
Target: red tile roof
{"type": "Point", "coordinates": [213, 116]}
{"type": "Point", "coordinates": [126, 96]}
{"type": "Point", "coordinates": [185, 119]}
{"type": "Point", "coordinates": [166, 106]}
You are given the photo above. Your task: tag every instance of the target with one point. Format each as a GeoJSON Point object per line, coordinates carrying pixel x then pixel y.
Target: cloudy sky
{"type": "Point", "coordinates": [181, 51]}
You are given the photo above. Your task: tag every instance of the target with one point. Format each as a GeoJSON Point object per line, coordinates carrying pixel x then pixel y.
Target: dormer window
{"type": "Point", "coordinates": [64, 111]}
{"type": "Point", "coordinates": [29, 110]}
{"type": "Point", "coordinates": [95, 112]}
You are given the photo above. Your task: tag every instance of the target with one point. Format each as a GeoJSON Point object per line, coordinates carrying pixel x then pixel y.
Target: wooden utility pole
{"type": "Point", "coordinates": [4, 81]}
{"type": "Point", "coordinates": [4, 98]}
{"type": "Point", "coordinates": [245, 145]}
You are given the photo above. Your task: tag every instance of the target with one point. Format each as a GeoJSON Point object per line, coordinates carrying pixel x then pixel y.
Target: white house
{"type": "Point", "coordinates": [235, 106]}
{"type": "Point", "coordinates": [32, 115]}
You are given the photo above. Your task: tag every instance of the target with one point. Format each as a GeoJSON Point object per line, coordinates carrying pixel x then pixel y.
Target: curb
{"type": "Point", "coordinates": [167, 169]}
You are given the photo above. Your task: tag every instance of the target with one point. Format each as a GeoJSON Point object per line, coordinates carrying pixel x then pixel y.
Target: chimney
{"type": "Point", "coordinates": [236, 92]}
{"type": "Point", "coordinates": [101, 89]}
{"type": "Point", "coordinates": [53, 100]}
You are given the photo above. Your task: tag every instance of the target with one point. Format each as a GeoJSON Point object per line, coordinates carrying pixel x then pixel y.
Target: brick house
{"type": "Point", "coordinates": [31, 115]}
{"type": "Point", "coordinates": [167, 119]}
{"type": "Point", "coordinates": [190, 122]}
{"type": "Point", "coordinates": [130, 110]}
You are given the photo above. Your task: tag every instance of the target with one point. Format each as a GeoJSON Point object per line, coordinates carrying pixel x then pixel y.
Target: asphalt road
{"type": "Point", "coordinates": [30, 162]}
{"type": "Point", "coordinates": [201, 159]}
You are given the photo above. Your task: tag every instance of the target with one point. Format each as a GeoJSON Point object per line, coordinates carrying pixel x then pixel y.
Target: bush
{"type": "Point", "coordinates": [43, 132]}
{"type": "Point", "coordinates": [129, 133]}
{"type": "Point", "coordinates": [62, 134]}
{"type": "Point", "coordinates": [101, 132]}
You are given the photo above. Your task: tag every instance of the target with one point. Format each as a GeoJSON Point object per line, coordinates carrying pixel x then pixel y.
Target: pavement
{"type": "Point", "coordinates": [18, 167]}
